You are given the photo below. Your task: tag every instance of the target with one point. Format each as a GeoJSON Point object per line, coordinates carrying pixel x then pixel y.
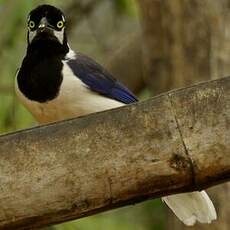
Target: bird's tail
{"type": "Point", "coordinates": [192, 207]}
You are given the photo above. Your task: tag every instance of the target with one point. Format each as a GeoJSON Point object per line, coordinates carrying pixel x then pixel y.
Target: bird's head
{"type": "Point", "coordinates": [46, 23]}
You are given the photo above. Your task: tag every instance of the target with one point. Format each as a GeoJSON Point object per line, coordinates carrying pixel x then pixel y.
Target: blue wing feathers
{"type": "Point", "coordinates": [123, 95]}
{"type": "Point", "coordinates": [99, 80]}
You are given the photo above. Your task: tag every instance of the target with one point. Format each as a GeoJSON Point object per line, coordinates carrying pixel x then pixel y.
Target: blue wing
{"type": "Point", "coordinates": [99, 80]}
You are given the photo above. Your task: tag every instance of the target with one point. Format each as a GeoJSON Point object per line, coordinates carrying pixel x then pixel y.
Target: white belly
{"type": "Point", "coordinates": [74, 100]}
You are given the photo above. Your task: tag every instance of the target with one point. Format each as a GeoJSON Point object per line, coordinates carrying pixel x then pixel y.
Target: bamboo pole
{"type": "Point", "coordinates": [175, 142]}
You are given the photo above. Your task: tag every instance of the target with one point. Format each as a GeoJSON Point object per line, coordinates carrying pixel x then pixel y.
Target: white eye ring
{"type": "Point", "coordinates": [60, 24]}
{"type": "Point", "coordinates": [31, 24]}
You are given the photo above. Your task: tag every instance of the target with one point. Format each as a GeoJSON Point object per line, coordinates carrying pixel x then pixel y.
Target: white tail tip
{"type": "Point", "coordinates": [192, 207]}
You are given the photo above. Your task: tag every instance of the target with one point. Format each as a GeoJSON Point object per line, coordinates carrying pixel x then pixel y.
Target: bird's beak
{"type": "Point", "coordinates": [44, 25]}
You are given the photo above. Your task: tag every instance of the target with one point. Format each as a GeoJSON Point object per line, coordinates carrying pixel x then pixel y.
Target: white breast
{"type": "Point", "coordinates": [74, 100]}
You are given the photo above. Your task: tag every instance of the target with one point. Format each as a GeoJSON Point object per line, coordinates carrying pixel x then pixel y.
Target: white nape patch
{"type": "Point", "coordinates": [71, 54]}
{"type": "Point", "coordinates": [32, 34]}
{"type": "Point", "coordinates": [74, 100]}
{"type": "Point", "coordinates": [59, 35]}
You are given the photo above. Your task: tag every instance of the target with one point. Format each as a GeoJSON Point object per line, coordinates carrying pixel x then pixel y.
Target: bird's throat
{"type": "Point", "coordinates": [47, 47]}
{"type": "Point", "coordinates": [40, 75]}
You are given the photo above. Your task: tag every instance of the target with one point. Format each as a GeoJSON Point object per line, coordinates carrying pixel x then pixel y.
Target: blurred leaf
{"type": "Point", "coordinates": [145, 93]}
{"type": "Point", "coordinates": [128, 7]}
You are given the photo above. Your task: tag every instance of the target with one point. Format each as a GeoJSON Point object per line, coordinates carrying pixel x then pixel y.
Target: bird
{"type": "Point", "coordinates": [55, 83]}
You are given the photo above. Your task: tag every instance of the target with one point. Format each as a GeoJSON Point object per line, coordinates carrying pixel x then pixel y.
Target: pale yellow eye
{"type": "Point", "coordinates": [60, 24]}
{"type": "Point", "coordinates": [31, 24]}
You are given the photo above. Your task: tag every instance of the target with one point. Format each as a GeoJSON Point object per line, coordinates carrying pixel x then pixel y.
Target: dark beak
{"type": "Point", "coordinates": [44, 26]}
{"type": "Point", "coordinates": [45, 31]}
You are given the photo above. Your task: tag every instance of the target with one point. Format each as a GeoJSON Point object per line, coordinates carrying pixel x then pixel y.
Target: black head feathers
{"type": "Point", "coordinates": [46, 25]}
{"type": "Point", "coordinates": [51, 13]}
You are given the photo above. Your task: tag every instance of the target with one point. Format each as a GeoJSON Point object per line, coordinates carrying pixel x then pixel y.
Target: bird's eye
{"type": "Point", "coordinates": [60, 24]}
{"type": "Point", "coordinates": [31, 24]}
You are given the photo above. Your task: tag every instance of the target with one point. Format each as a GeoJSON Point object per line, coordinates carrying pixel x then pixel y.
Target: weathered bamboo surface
{"type": "Point", "coordinates": [175, 142]}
